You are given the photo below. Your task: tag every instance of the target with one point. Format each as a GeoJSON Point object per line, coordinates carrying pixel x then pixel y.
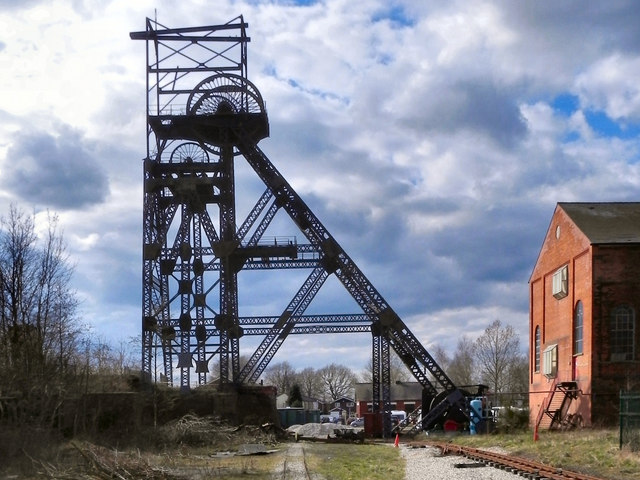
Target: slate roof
{"type": "Point", "coordinates": [610, 222]}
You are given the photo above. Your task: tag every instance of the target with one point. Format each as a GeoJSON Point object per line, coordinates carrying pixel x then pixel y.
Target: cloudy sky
{"type": "Point", "coordinates": [432, 139]}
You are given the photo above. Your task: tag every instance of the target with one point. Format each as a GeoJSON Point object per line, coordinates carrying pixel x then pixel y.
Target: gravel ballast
{"type": "Point", "coordinates": [427, 463]}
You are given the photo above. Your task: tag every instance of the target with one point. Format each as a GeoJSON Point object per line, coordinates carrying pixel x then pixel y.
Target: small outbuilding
{"type": "Point", "coordinates": [584, 296]}
{"type": "Point", "coordinates": [405, 396]}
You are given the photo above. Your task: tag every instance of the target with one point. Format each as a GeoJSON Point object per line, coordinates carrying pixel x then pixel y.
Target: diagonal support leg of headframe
{"type": "Point", "coordinates": [279, 331]}
{"type": "Point", "coordinates": [334, 259]}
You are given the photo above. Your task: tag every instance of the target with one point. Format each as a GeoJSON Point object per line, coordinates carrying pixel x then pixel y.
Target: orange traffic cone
{"type": "Point", "coordinates": [397, 442]}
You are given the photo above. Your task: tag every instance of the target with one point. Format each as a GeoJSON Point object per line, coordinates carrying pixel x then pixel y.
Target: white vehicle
{"type": "Point", "coordinates": [398, 416]}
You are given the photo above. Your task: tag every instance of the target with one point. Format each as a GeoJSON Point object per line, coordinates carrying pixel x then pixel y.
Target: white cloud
{"type": "Point", "coordinates": [443, 327]}
{"type": "Point", "coordinates": [610, 85]}
{"type": "Point", "coordinates": [423, 136]}
{"type": "Point", "coordinates": [466, 33]}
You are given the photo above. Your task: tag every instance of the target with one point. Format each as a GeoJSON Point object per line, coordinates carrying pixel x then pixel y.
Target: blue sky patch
{"type": "Point", "coordinates": [297, 3]}
{"type": "Point", "coordinates": [395, 14]}
{"type": "Point", "coordinates": [605, 126]}
{"type": "Point", "coordinates": [571, 137]}
{"type": "Point", "coordinates": [565, 104]}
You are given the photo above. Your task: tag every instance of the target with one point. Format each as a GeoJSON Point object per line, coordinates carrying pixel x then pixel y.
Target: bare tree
{"type": "Point", "coordinates": [39, 332]}
{"type": "Point", "coordinates": [214, 368]}
{"type": "Point", "coordinates": [104, 367]}
{"type": "Point", "coordinates": [310, 382]}
{"type": "Point", "coordinates": [337, 381]}
{"type": "Point", "coordinates": [519, 380]}
{"type": "Point", "coordinates": [398, 370]}
{"type": "Point", "coordinates": [461, 367]}
{"type": "Point", "coordinates": [441, 357]}
{"type": "Point", "coordinates": [281, 375]}
{"type": "Point", "coordinates": [496, 350]}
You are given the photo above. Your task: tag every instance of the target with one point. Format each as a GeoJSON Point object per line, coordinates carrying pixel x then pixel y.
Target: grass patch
{"type": "Point", "coordinates": [354, 462]}
{"type": "Point", "coordinates": [589, 451]}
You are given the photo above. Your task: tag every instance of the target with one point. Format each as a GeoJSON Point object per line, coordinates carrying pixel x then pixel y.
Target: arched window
{"type": "Point", "coordinates": [577, 329]}
{"type": "Point", "coordinates": [623, 322]}
{"type": "Point", "coordinates": [537, 351]}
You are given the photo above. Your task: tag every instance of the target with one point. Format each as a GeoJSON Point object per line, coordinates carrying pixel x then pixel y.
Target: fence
{"type": "Point", "coordinates": [630, 420]}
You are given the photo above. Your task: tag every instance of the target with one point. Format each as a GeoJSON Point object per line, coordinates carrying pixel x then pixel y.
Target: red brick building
{"type": "Point", "coordinates": [406, 396]}
{"type": "Point", "coordinates": [584, 297]}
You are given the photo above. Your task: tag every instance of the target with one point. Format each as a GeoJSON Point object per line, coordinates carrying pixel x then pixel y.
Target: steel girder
{"type": "Point", "coordinates": [186, 180]}
{"type": "Point", "coordinates": [311, 330]}
{"type": "Point", "coordinates": [304, 324]}
{"type": "Point", "coordinates": [204, 114]}
{"type": "Point", "coordinates": [335, 260]}
{"type": "Point", "coordinates": [345, 318]}
{"type": "Point", "coordinates": [227, 319]}
{"type": "Point", "coordinates": [387, 327]}
{"type": "Point", "coordinates": [278, 333]}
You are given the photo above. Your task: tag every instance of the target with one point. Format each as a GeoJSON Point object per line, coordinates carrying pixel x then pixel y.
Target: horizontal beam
{"type": "Point", "coordinates": [201, 68]}
{"type": "Point", "coordinates": [328, 318]}
{"type": "Point", "coordinates": [187, 38]}
{"type": "Point", "coordinates": [313, 329]}
{"type": "Point", "coordinates": [151, 34]}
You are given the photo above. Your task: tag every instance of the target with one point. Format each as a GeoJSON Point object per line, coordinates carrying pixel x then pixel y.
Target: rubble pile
{"type": "Point", "coordinates": [319, 430]}
{"type": "Point", "coordinates": [192, 430]}
{"type": "Point", "coordinates": [99, 463]}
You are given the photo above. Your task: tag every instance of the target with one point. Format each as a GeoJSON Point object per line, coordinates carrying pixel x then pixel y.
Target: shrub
{"type": "Point", "coordinates": [513, 420]}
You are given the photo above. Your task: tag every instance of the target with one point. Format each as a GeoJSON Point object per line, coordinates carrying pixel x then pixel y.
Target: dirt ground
{"type": "Point", "coordinates": [192, 447]}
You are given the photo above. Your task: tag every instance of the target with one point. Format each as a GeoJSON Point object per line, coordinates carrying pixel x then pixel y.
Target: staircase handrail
{"type": "Point", "coordinates": [571, 392]}
{"type": "Point", "coordinates": [410, 419]}
{"type": "Point", "coordinates": [545, 403]}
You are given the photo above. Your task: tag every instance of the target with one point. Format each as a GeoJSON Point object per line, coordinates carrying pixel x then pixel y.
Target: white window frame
{"type": "Point", "coordinates": [537, 347]}
{"type": "Point", "coordinates": [550, 361]}
{"type": "Point", "coordinates": [560, 283]}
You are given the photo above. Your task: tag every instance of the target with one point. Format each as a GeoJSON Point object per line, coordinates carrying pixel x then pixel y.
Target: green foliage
{"type": "Point", "coordinates": [295, 396]}
{"type": "Point", "coordinates": [512, 420]}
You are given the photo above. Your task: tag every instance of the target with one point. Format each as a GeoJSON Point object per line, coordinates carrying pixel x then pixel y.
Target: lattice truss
{"type": "Point", "coordinates": [203, 116]}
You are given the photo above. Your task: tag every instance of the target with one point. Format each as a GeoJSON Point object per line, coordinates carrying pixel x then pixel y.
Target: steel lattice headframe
{"type": "Point", "coordinates": [203, 115]}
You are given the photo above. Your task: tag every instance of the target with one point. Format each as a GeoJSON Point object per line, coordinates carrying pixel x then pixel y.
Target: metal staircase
{"type": "Point", "coordinates": [554, 414]}
{"type": "Point", "coordinates": [411, 425]}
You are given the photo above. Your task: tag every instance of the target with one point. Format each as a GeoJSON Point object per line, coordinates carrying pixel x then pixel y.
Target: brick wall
{"type": "Point", "coordinates": [126, 412]}
{"type": "Point", "coordinates": [601, 277]}
{"type": "Point", "coordinates": [563, 245]}
{"type": "Point", "coordinates": [616, 282]}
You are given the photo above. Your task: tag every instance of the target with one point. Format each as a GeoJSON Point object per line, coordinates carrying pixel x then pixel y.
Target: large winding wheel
{"type": "Point", "coordinates": [225, 94]}
{"type": "Point", "coordinates": [189, 152]}
{"type": "Point", "coordinates": [227, 103]}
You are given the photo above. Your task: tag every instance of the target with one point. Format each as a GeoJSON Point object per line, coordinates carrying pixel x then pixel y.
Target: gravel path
{"type": "Point", "coordinates": [425, 463]}
{"type": "Point", "coordinates": [428, 464]}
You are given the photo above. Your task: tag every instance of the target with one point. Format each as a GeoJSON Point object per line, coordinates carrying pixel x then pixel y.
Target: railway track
{"type": "Point", "coordinates": [294, 466]}
{"type": "Point", "coordinates": [520, 466]}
